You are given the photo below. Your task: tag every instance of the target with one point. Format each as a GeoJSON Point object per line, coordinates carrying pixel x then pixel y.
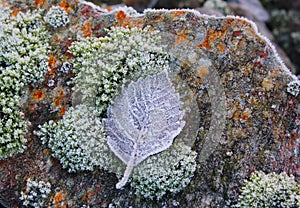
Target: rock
{"type": "Point", "coordinates": [260, 16]}
{"type": "Point", "coordinates": [247, 119]}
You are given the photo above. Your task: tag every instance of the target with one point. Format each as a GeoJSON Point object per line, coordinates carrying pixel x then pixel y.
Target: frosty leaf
{"type": "Point", "coordinates": [143, 121]}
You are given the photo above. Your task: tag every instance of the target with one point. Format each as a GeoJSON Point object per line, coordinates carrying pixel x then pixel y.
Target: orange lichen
{"type": "Point", "coordinates": [177, 13]}
{"type": "Point", "coordinates": [39, 3]}
{"type": "Point", "coordinates": [237, 33]}
{"type": "Point", "coordinates": [181, 37]}
{"type": "Point", "coordinates": [87, 28]}
{"type": "Point", "coordinates": [46, 151]}
{"type": "Point", "coordinates": [65, 5]}
{"type": "Point", "coordinates": [211, 36]}
{"type": "Point", "coordinates": [62, 110]}
{"type": "Point", "coordinates": [221, 47]}
{"type": "Point", "coordinates": [56, 101]}
{"type": "Point", "coordinates": [52, 63]}
{"type": "Point", "coordinates": [32, 106]}
{"type": "Point", "coordinates": [58, 197]}
{"type": "Point", "coordinates": [246, 114]}
{"type": "Point", "coordinates": [202, 72]}
{"type": "Point", "coordinates": [236, 115]}
{"type": "Point", "coordinates": [267, 83]}
{"type": "Point", "coordinates": [88, 196]}
{"type": "Point", "coordinates": [38, 95]}
{"type": "Point", "coordinates": [109, 8]}
{"type": "Point", "coordinates": [15, 12]}
{"type": "Point", "coordinates": [120, 16]}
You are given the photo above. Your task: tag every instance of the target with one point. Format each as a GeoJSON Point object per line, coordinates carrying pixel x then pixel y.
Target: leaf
{"type": "Point", "coordinates": [143, 121]}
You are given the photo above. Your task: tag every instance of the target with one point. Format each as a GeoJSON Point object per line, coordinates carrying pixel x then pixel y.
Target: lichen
{"type": "Point", "coordinates": [57, 17]}
{"type": "Point", "coordinates": [169, 171]}
{"type": "Point", "coordinates": [77, 140]}
{"type": "Point", "coordinates": [270, 190]}
{"type": "Point", "coordinates": [36, 193]}
{"type": "Point", "coordinates": [102, 65]}
{"type": "Point", "coordinates": [293, 87]}
{"type": "Point", "coordinates": [23, 59]}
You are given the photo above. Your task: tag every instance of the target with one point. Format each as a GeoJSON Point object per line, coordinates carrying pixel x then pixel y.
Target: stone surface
{"type": "Point", "coordinates": [248, 120]}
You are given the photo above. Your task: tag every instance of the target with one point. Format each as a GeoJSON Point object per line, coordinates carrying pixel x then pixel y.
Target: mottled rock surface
{"type": "Point", "coordinates": [248, 120]}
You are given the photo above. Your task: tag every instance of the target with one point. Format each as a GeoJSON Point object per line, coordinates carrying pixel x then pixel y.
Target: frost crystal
{"type": "Point", "coordinates": [143, 121]}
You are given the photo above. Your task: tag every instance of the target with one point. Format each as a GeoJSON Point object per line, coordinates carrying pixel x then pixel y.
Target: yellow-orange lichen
{"type": "Point", "coordinates": [202, 72]}
{"type": "Point", "coordinates": [267, 83]}
{"type": "Point", "coordinates": [58, 198]}
{"type": "Point", "coordinates": [38, 95]}
{"type": "Point", "coordinates": [120, 16]}
{"type": "Point", "coordinates": [65, 5]}
{"type": "Point", "coordinates": [211, 37]}
{"type": "Point", "coordinates": [15, 12]}
{"type": "Point", "coordinates": [87, 29]}
{"type": "Point", "coordinates": [181, 37]}
{"type": "Point", "coordinates": [46, 151]}
{"type": "Point", "coordinates": [62, 110]}
{"type": "Point", "coordinates": [52, 63]}
{"type": "Point", "coordinates": [178, 13]}
{"type": "Point", "coordinates": [56, 101]}
{"type": "Point", "coordinates": [221, 47]}
{"type": "Point", "coordinates": [88, 196]}
{"type": "Point", "coordinates": [245, 115]}
{"type": "Point", "coordinates": [109, 8]}
{"type": "Point", "coordinates": [39, 3]}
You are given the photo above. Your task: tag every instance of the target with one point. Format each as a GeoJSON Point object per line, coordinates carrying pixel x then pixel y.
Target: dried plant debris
{"type": "Point", "coordinates": [143, 121]}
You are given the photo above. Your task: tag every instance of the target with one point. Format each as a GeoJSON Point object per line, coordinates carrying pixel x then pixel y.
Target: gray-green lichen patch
{"type": "Point", "coordinates": [36, 193]}
{"type": "Point", "coordinates": [23, 59]}
{"type": "Point", "coordinates": [77, 140]}
{"type": "Point", "coordinates": [57, 17]}
{"type": "Point", "coordinates": [269, 190]}
{"type": "Point", "coordinates": [103, 64]}
{"type": "Point", "coordinates": [167, 172]}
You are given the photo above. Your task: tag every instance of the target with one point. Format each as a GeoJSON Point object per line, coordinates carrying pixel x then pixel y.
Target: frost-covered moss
{"type": "Point", "coordinates": [77, 140]}
{"type": "Point", "coordinates": [270, 190]}
{"type": "Point", "coordinates": [168, 171]}
{"type": "Point", "coordinates": [103, 64]}
{"type": "Point", "coordinates": [23, 59]}
{"type": "Point", "coordinates": [36, 193]}
{"type": "Point", "coordinates": [57, 17]}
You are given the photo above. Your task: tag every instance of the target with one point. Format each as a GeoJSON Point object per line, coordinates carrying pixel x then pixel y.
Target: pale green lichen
{"type": "Point", "coordinates": [294, 87]}
{"type": "Point", "coordinates": [57, 17]}
{"type": "Point", "coordinates": [270, 190]}
{"type": "Point", "coordinates": [169, 171]}
{"type": "Point", "coordinates": [103, 64]}
{"type": "Point", "coordinates": [36, 193]}
{"type": "Point", "coordinates": [77, 140]}
{"type": "Point", "coordinates": [23, 59]}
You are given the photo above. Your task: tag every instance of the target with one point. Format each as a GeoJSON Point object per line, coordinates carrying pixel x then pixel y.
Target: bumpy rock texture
{"type": "Point", "coordinates": [248, 120]}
